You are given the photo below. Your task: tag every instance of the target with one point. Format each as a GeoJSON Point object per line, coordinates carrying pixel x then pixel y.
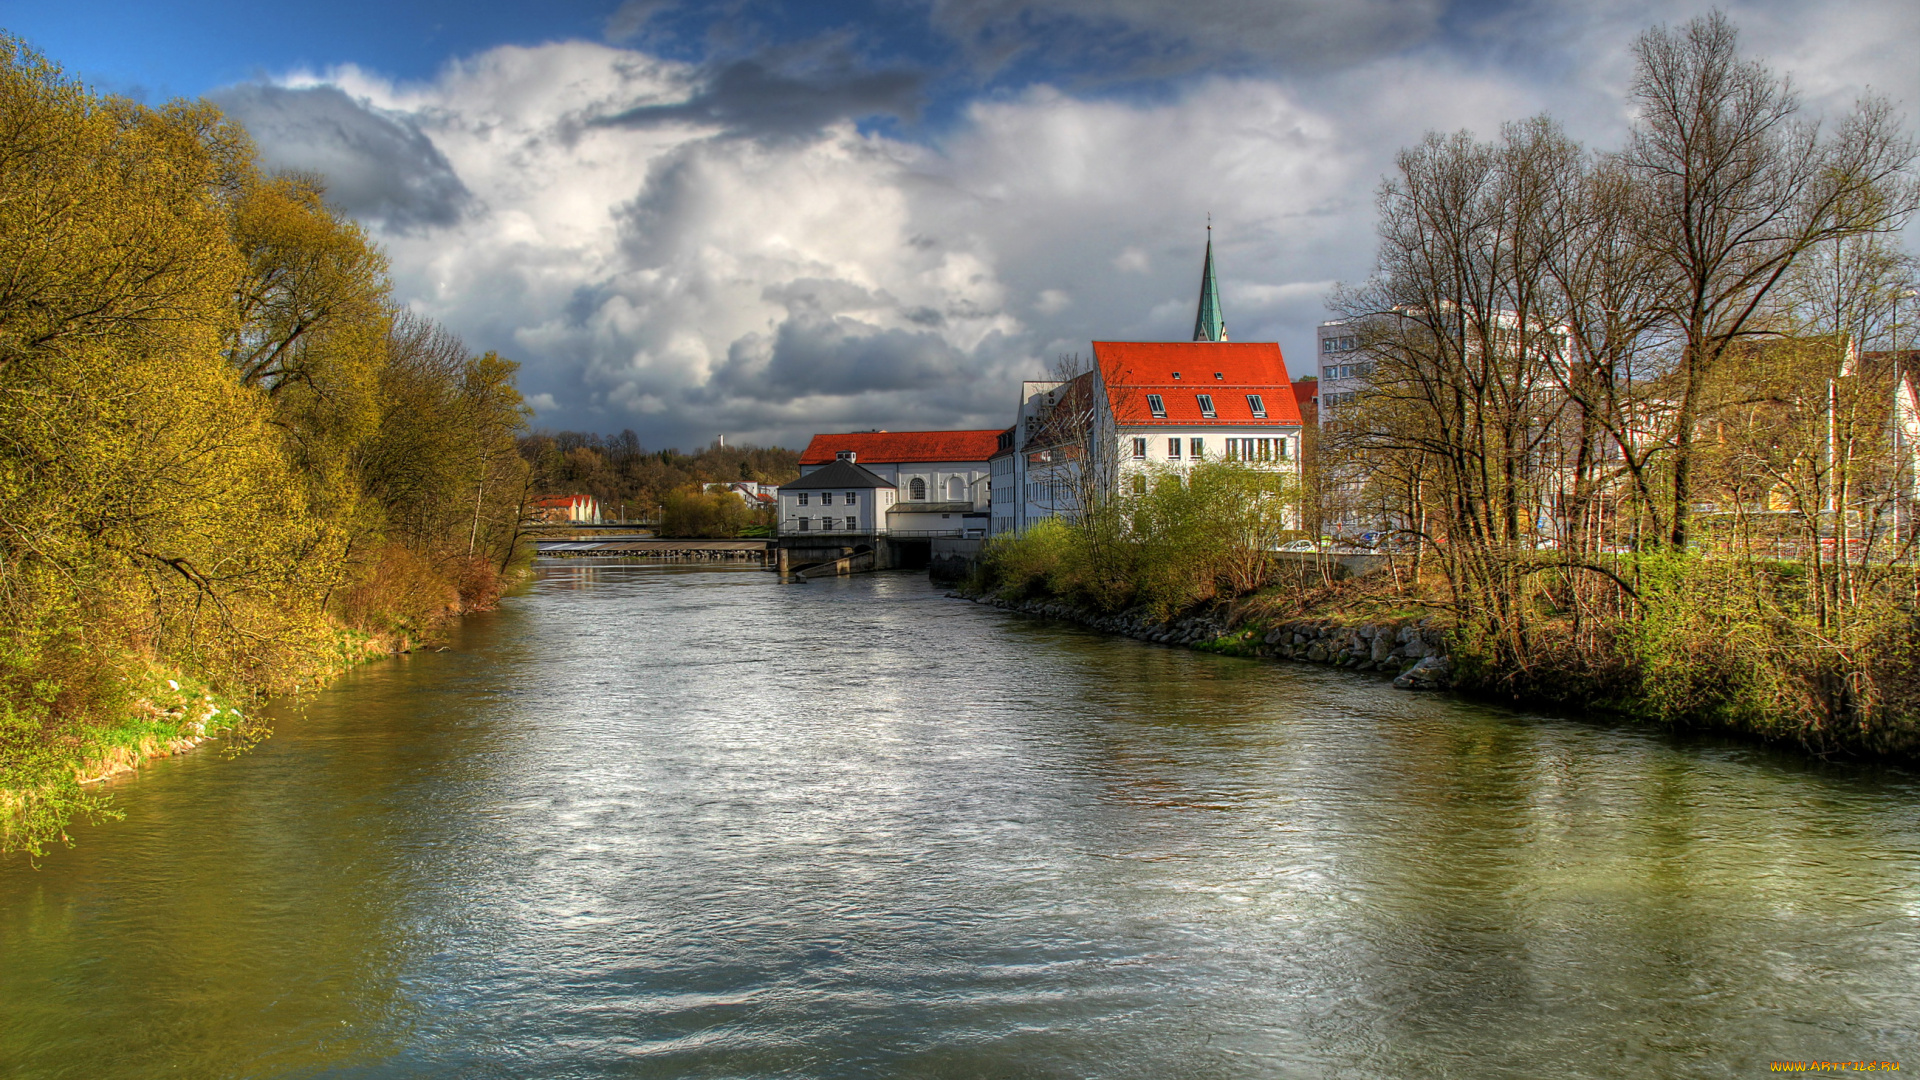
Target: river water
{"type": "Point", "coordinates": [652, 822]}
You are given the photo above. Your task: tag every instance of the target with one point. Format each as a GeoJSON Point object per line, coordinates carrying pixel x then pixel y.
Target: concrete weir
{"type": "Point", "coordinates": [802, 556]}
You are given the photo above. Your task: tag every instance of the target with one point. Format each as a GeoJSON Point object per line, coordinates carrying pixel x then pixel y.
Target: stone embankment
{"type": "Point", "coordinates": [1413, 652]}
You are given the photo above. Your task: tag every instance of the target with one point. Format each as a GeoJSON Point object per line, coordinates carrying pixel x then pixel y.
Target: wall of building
{"type": "Point", "coordinates": [969, 478]}
{"type": "Point", "coordinates": [1342, 369]}
{"type": "Point", "coordinates": [869, 506]}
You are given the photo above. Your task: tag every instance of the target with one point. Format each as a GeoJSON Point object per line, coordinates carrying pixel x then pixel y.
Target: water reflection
{"type": "Point", "coordinates": [651, 821]}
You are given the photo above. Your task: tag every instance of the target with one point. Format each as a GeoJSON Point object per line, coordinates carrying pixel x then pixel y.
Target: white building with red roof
{"type": "Point", "coordinates": [1148, 407]}
{"type": "Point", "coordinates": [927, 466]}
{"type": "Point", "coordinates": [940, 482]}
{"type": "Point", "coordinates": [563, 509]}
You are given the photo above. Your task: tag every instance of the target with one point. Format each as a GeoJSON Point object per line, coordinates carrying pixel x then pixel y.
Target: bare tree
{"type": "Point", "coordinates": [1736, 188]}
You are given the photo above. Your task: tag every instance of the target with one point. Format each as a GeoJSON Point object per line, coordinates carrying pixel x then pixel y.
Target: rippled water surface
{"type": "Point", "coordinates": [650, 822]}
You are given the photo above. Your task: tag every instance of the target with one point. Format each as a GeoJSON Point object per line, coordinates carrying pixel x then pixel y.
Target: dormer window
{"type": "Point", "coordinates": [1176, 376]}
{"type": "Point", "coordinates": [1218, 375]}
{"type": "Point", "coordinates": [1156, 406]}
{"type": "Point", "coordinates": [844, 455]}
{"type": "Point", "coordinates": [1258, 406]}
{"type": "Point", "coordinates": [1206, 405]}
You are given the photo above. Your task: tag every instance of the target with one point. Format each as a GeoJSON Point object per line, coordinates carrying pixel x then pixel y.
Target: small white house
{"type": "Point", "coordinates": [840, 497]}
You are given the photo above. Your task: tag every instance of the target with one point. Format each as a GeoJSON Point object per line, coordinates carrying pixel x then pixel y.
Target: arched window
{"type": "Point", "coordinates": [917, 489]}
{"type": "Point", "coordinates": [956, 489]}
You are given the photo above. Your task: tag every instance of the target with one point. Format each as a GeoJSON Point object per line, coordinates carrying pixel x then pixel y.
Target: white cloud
{"type": "Point", "coordinates": [682, 278]}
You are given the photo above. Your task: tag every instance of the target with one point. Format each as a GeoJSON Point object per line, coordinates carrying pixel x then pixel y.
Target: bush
{"type": "Point", "coordinates": [703, 513]}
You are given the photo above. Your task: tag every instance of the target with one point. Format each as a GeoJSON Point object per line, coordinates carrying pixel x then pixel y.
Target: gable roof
{"type": "Point", "coordinates": [1133, 369]}
{"type": "Point", "coordinates": [836, 474]}
{"type": "Point", "coordinates": [1305, 391]}
{"type": "Point", "coordinates": [900, 447]}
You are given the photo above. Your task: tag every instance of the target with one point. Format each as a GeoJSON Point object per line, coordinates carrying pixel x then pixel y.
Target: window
{"type": "Point", "coordinates": [1217, 375]}
{"type": "Point", "coordinates": [1196, 449]}
{"type": "Point", "coordinates": [1176, 376]}
{"type": "Point", "coordinates": [1283, 448]}
{"type": "Point", "coordinates": [1206, 405]}
{"type": "Point", "coordinates": [1173, 449]}
{"type": "Point", "coordinates": [917, 489]}
{"type": "Point", "coordinates": [843, 455]}
{"type": "Point", "coordinates": [1156, 406]}
{"type": "Point", "coordinates": [851, 500]}
{"type": "Point", "coordinates": [1258, 406]}
{"type": "Point", "coordinates": [1139, 484]}
{"type": "Point", "coordinates": [1139, 448]}
{"type": "Point", "coordinates": [803, 524]}
{"type": "Point", "coordinates": [803, 498]}
{"type": "Point", "coordinates": [826, 524]}
{"type": "Point", "coordinates": [826, 498]}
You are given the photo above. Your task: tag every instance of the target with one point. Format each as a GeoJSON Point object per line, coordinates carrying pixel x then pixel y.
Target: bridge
{"type": "Point", "coordinates": [755, 552]}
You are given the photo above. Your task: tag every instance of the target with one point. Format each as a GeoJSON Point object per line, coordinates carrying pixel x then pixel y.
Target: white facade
{"type": "Point", "coordinates": [1004, 490]}
{"type": "Point", "coordinates": [931, 481]}
{"type": "Point", "coordinates": [1343, 368]}
{"type": "Point", "coordinates": [1046, 478]}
{"type": "Point", "coordinates": [847, 509]}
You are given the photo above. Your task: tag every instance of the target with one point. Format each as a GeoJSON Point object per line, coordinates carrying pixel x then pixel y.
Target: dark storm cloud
{"type": "Point", "coordinates": [376, 164]}
{"type": "Point", "coordinates": [1155, 38]}
{"type": "Point", "coordinates": [756, 98]}
{"type": "Point", "coordinates": [837, 357]}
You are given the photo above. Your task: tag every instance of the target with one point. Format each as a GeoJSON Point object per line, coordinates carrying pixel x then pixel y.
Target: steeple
{"type": "Point", "coordinates": [1207, 322]}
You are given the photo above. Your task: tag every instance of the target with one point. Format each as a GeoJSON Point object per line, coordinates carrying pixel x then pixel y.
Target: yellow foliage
{"type": "Point", "coordinates": [219, 441]}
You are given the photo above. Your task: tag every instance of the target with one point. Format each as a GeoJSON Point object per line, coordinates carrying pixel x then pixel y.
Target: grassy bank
{"type": "Point", "coordinates": [1706, 643]}
{"type": "Point", "coordinates": [52, 767]}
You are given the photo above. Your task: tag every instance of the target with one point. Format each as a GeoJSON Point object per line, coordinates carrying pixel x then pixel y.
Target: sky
{"type": "Point", "coordinates": [765, 219]}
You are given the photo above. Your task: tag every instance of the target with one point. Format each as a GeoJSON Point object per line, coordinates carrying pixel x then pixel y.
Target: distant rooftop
{"type": "Point", "coordinates": [902, 447]}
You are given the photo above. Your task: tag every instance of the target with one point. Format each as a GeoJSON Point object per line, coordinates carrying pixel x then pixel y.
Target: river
{"type": "Point", "coordinates": [659, 822]}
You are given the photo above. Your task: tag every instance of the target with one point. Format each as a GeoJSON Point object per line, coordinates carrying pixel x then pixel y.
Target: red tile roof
{"type": "Point", "coordinates": [1227, 371]}
{"type": "Point", "coordinates": [1306, 390]}
{"type": "Point", "coordinates": [887, 447]}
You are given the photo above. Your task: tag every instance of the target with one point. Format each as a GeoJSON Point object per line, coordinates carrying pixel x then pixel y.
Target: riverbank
{"type": "Point", "coordinates": [45, 783]}
{"type": "Point", "coordinates": [1345, 629]}
{"type": "Point", "coordinates": [1412, 653]}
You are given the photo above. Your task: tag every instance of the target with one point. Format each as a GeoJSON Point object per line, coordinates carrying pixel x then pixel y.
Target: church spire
{"type": "Point", "coordinates": [1208, 325]}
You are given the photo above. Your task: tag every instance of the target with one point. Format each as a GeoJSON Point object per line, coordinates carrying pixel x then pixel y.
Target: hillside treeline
{"type": "Point", "coordinates": [1638, 424]}
{"type": "Point", "coordinates": [627, 478]}
{"type": "Point", "coordinates": [227, 459]}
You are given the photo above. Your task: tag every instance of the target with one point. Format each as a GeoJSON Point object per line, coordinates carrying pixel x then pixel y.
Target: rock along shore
{"type": "Point", "coordinates": [1413, 652]}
